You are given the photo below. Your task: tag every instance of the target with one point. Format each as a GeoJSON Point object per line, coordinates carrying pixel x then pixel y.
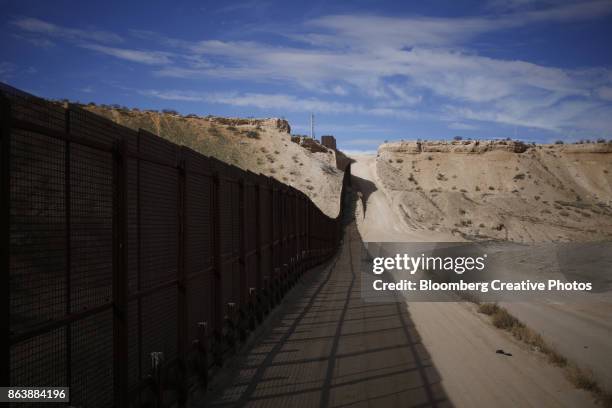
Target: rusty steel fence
{"type": "Point", "coordinates": [134, 266]}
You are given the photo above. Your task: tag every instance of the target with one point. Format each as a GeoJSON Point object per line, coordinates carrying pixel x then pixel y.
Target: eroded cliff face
{"type": "Point", "coordinates": [483, 146]}
{"type": "Point", "coordinates": [501, 189]}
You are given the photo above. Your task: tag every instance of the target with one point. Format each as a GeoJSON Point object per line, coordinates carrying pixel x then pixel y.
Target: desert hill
{"type": "Point", "coordinates": [259, 145]}
{"type": "Point", "coordinates": [501, 189]}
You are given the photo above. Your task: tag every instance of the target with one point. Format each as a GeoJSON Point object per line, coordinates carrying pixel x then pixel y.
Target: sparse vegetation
{"type": "Point", "coordinates": [579, 377]}
{"type": "Point", "coordinates": [213, 130]}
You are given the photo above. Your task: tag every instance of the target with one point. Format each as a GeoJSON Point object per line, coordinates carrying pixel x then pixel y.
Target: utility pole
{"type": "Point", "coordinates": [312, 125]}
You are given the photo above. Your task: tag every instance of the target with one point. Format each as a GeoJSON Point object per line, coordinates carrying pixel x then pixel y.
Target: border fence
{"type": "Point", "coordinates": [133, 266]}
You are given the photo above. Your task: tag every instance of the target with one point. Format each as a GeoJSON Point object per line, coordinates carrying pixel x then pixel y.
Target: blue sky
{"type": "Point", "coordinates": [538, 70]}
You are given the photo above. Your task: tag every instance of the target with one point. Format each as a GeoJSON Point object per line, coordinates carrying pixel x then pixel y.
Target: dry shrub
{"type": "Point", "coordinates": [488, 308]}
{"type": "Point", "coordinates": [504, 320]}
{"type": "Point", "coordinates": [581, 378]}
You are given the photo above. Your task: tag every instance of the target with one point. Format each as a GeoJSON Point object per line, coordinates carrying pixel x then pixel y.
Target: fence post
{"type": "Point", "coordinates": [258, 235]}
{"type": "Point", "coordinates": [181, 219]}
{"type": "Point", "coordinates": [258, 269]}
{"type": "Point", "coordinates": [243, 286]}
{"type": "Point", "coordinates": [120, 281]}
{"type": "Point", "coordinates": [5, 121]}
{"type": "Point", "coordinates": [68, 245]}
{"type": "Point", "coordinates": [217, 312]}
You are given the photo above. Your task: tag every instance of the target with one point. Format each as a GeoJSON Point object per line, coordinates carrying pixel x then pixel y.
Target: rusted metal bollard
{"type": "Point", "coordinates": [277, 286]}
{"type": "Point", "coordinates": [229, 326]}
{"type": "Point", "coordinates": [273, 294]}
{"type": "Point", "coordinates": [217, 348]}
{"type": "Point", "coordinates": [266, 298]}
{"type": "Point", "coordinates": [157, 360]}
{"type": "Point", "coordinates": [292, 272]}
{"type": "Point", "coordinates": [242, 323]}
{"type": "Point", "coordinates": [285, 282]}
{"type": "Point", "coordinates": [252, 308]}
{"type": "Point", "coordinates": [200, 348]}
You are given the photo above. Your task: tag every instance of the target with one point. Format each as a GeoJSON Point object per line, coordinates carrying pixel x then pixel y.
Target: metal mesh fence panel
{"type": "Point", "coordinates": [121, 243]}
{"type": "Point", "coordinates": [38, 291]}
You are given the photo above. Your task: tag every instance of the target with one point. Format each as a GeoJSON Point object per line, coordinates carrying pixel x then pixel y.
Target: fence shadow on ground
{"type": "Point", "coordinates": [333, 348]}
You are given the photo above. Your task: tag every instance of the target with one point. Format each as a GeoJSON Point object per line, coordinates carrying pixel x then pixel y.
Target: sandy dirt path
{"type": "Point", "coordinates": [462, 343]}
{"type": "Point", "coordinates": [332, 349]}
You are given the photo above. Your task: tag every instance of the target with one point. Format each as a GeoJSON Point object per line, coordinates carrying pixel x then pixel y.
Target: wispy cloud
{"type": "Point", "coordinates": [462, 126]}
{"type": "Point", "coordinates": [34, 25]}
{"type": "Point", "coordinates": [273, 104]}
{"type": "Point", "coordinates": [142, 57]}
{"type": "Point", "coordinates": [241, 6]}
{"type": "Point", "coordinates": [173, 95]}
{"type": "Point", "coordinates": [401, 67]}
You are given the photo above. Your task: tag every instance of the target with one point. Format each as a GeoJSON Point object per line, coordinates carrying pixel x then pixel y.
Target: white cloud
{"type": "Point", "coordinates": [276, 102]}
{"type": "Point", "coordinates": [282, 102]}
{"type": "Point", "coordinates": [462, 126]}
{"type": "Point", "coordinates": [34, 25]}
{"type": "Point", "coordinates": [398, 67]}
{"type": "Point", "coordinates": [143, 57]}
{"type": "Point", "coordinates": [173, 95]}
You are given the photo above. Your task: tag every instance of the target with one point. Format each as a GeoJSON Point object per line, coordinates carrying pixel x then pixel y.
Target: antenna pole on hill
{"type": "Point", "coordinates": [312, 125]}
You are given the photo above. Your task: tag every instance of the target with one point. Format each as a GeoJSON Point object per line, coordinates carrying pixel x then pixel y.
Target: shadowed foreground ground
{"type": "Point", "coordinates": [331, 348]}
